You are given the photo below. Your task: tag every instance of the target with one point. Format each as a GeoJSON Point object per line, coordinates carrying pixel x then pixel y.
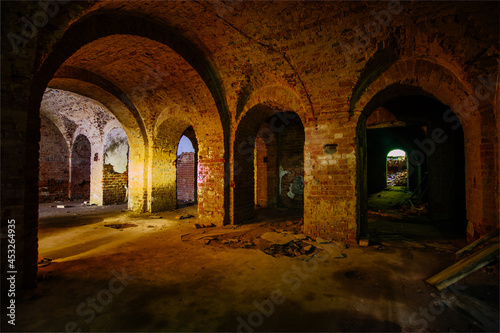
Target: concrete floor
{"type": "Point", "coordinates": [172, 280]}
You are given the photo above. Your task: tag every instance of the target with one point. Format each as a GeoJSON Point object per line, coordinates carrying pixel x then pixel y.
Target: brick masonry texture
{"type": "Point", "coordinates": [224, 70]}
{"type": "Point", "coordinates": [115, 186]}
{"type": "Point", "coordinates": [54, 163]}
{"type": "Point", "coordinates": [186, 177]}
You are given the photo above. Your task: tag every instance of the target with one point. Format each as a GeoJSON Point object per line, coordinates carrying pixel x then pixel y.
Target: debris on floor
{"type": "Point", "coordinates": [282, 238]}
{"type": "Point", "coordinates": [120, 226]}
{"type": "Point", "coordinates": [200, 226]}
{"type": "Point", "coordinates": [294, 248]}
{"type": "Point", "coordinates": [466, 266]}
{"type": "Point", "coordinates": [397, 179]}
{"type": "Point", "coordinates": [413, 208]}
{"type": "Point", "coordinates": [486, 239]}
{"type": "Point", "coordinates": [183, 217]}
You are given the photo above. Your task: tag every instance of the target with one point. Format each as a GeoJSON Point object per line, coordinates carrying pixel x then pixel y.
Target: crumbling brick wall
{"type": "Point", "coordinates": [186, 177]}
{"type": "Point", "coordinates": [114, 186]}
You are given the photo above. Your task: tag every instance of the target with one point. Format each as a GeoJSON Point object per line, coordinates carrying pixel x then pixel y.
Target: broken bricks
{"type": "Point", "coordinates": [294, 248]}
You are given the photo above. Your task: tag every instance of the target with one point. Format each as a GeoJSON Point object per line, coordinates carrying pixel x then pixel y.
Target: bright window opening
{"type": "Point", "coordinates": [185, 146]}
{"type": "Point", "coordinates": [397, 174]}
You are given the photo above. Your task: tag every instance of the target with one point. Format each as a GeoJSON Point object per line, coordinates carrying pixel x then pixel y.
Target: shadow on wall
{"type": "Point", "coordinates": [80, 169]}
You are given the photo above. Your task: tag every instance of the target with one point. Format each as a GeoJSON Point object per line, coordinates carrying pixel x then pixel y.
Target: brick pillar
{"type": "Point", "coordinates": [330, 180]}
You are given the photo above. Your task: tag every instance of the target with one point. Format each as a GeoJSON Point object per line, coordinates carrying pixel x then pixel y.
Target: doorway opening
{"type": "Point", "coordinates": [422, 184]}
{"type": "Point", "coordinates": [396, 169]}
{"type": "Point", "coordinates": [187, 169]}
{"type": "Point", "coordinates": [269, 160]}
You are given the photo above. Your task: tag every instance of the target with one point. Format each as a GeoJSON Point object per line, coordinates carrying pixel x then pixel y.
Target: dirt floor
{"type": "Point", "coordinates": [119, 271]}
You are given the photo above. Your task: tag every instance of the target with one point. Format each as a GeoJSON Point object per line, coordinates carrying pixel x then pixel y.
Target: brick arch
{"type": "Point", "coordinates": [97, 25]}
{"type": "Point", "coordinates": [162, 194]}
{"type": "Point", "coordinates": [169, 128]}
{"type": "Point", "coordinates": [58, 123]}
{"type": "Point", "coordinates": [429, 78]}
{"type": "Point", "coordinates": [278, 97]}
{"type": "Point", "coordinates": [123, 110]}
{"type": "Point", "coordinates": [249, 128]}
{"type": "Point", "coordinates": [427, 75]}
{"type": "Point", "coordinates": [92, 85]}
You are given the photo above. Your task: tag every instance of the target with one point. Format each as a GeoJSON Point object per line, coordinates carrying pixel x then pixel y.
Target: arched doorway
{"type": "Point", "coordinates": [396, 168]}
{"type": "Point", "coordinates": [433, 148]}
{"type": "Point", "coordinates": [268, 163]}
{"type": "Point", "coordinates": [187, 169]}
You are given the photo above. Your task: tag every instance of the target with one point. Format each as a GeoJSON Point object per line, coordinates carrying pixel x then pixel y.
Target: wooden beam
{"type": "Point", "coordinates": [486, 238]}
{"type": "Point", "coordinates": [464, 267]}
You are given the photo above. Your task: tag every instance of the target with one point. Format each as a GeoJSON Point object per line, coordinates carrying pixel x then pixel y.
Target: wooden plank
{"type": "Point", "coordinates": [464, 267]}
{"type": "Point", "coordinates": [486, 238]}
{"type": "Point", "coordinates": [474, 310]}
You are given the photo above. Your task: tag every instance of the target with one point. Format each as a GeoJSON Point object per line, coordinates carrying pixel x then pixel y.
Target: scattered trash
{"type": "Point", "coordinates": [291, 249]}
{"type": "Point", "coordinates": [61, 206]}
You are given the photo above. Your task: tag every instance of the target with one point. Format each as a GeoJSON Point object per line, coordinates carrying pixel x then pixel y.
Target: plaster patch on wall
{"type": "Point", "coordinates": [116, 150]}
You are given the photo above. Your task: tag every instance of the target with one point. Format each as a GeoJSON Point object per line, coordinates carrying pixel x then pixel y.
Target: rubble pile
{"type": "Point", "coordinates": [397, 178]}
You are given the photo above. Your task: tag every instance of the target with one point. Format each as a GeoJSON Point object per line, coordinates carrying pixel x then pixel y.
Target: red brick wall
{"type": "Point", "coordinates": [54, 163]}
{"type": "Point", "coordinates": [445, 49]}
{"type": "Point", "coordinates": [186, 177]}
{"type": "Point", "coordinates": [114, 185]}
{"type": "Point", "coordinates": [80, 169]}
{"type": "Point", "coordinates": [261, 161]}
